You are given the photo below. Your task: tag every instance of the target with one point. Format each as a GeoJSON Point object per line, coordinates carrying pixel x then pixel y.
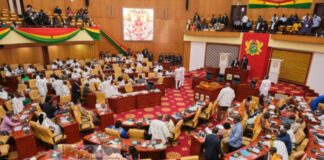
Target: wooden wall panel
{"type": "Point", "coordinates": [295, 65]}
{"type": "Point", "coordinates": [21, 55]}
{"type": "Point", "coordinates": [79, 51]}
{"type": "Point", "coordinates": [4, 4]}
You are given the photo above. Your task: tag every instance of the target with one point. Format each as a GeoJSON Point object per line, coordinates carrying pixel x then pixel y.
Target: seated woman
{"type": "Point", "coordinates": [46, 122]}
{"type": "Point", "coordinates": [118, 126]}
{"type": "Point", "coordinates": [8, 123]}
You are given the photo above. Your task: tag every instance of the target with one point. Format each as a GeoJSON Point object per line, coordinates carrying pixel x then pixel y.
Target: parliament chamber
{"type": "Point", "coordinates": [155, 80]}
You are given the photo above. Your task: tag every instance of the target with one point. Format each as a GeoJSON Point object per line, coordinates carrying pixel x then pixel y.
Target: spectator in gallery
{"type": "Point", "coordinates": [225, 20]}
{"type": "Point", "coordinates": [316, 23]}
{"type": "Point", "coordinates": [213, 20]}
{"type": "Point", "coordinates": [196, 18]}
{"type": "Point", "coordinates": [58, 10]}
{"type": "Point", "coordinates": [245, 20]}
{"type": "Point", "coordinates": [69, 11]}
{"type": "Point", "coordinates": [307, 26]}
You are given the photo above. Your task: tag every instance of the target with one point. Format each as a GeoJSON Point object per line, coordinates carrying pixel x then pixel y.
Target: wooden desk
{"type": "Point", "coordinates": [211, 93]}
{"type": "Point", "coordinates": [70, 129]}
{"type": "Point", "coordinates": [166, 65]}
{"type": "Point", "coordinates": [197, 80]}
{"type": "Point", "coordinates": [252, 155]}
{"type": "Point", "coordinates": [213, 70]}
{"type": "Point", "coordinates": [123, 145]}
{"type": "Point", "coordinates": [122, 104]}
{"type": "Point", "coordinates": [231, 72]}
{"type": "Point", "coordinates": [244, 90]}
{"type": "Point", "coordinates": [106, 118]}
{"type": "Point", "coordinates": [136, 88]}
{"type": "Point", "coordinates": [148, 100]}
{"type": "Point", "coordinates": [91, 101]}
{"type": "Point", "coordinates": [25, 143]}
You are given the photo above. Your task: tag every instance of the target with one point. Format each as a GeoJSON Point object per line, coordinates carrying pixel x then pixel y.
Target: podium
{"type": "Point", "coordinates": [274, 70]}
{"type": "Point", "coordinates": [223, 62]}
{"type": "Point", "coordinates": [235, 73]}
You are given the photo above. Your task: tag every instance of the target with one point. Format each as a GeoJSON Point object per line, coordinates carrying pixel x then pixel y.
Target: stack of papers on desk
{"type": "Point", "coordinates": [245, 153]}
{"type": "Point", "coordinates": [64, 120]}
{"type": "Point", "coordinates": [128, 122]}
{"type": "Point", "coordinates": [17, 128]}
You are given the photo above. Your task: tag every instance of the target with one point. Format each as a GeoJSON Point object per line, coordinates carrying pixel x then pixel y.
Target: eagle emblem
{"type": "Point", "coordinates": [253, 47]}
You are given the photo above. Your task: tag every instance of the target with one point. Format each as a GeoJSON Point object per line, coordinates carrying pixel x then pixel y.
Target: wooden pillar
{"type": "Point", "coordinates": [45, 55]}
{"type": "Point", "coordinates": [186, 54]}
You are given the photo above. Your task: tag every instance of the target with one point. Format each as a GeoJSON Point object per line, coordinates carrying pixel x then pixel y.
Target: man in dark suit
{"type": "Point", "coordinates": [225, 20]}
{"type": "Point", "coordinates": [196, 18]}
{"type": "Point", "coordinates": [179, 59]}
{"type": "Point", "coordinates": [150, 57]}
{"type": "Point", "coordinates": [145, 53]}
{"type": "Point", "coordinates": [235, 63]}
{"type": "Point", "coordinates": [161, 58]}
{"type": "Point", "coordinates": [244, 62]}
{"type": "Point", "coordinates": [48, 107]}
{"type": "Point", "coordinates": [212, 146]}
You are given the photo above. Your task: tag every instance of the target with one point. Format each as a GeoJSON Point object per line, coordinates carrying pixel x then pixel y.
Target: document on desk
{"type": "Point", "coordinates": [245, 153]}
{"type": "Point", "coordinates": [17, 128]}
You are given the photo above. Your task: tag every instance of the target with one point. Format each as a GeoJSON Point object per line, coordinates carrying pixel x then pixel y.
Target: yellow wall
{"type": "Point", "coordinates": [295, 65]}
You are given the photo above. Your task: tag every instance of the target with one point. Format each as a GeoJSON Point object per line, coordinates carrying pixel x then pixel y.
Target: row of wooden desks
{"type": "Point", "coordinates": [241, 90]}
{"type": "Point", "coordinates": [146, 148]}
{"type": "Point", "coordinates": [130, 102]}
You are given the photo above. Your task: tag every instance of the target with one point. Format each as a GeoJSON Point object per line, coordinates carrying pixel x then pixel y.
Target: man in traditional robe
{"type": "Point", "coordinates": [159, 130]}
{"type": "Point", "coordinates": [178, 76]}
{"type": "Point", "coordinates": [42, 85]}
{"type": "Point", "coordinates": [265, 86]}
{"type": "Point", "coordinates": [58, 86]}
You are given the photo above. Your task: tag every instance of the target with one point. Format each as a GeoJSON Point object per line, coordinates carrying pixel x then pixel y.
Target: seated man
{"type": "Point", "coordinates": [159, 130]}
{"type": "Point", "coordinates": [236, 135]}
{"type": "Point", "coordinates": [169, 123]}
{"type": "Point", "coordinates": [285, 138]}
{"type": "Point", "coordinates": [118, 126]}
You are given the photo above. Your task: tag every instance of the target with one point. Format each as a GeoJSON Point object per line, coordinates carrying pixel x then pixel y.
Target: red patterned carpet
{"type": "Point", "coordinates": [178, 100]}
{"type": "Point", "coordinates": [174, 101]}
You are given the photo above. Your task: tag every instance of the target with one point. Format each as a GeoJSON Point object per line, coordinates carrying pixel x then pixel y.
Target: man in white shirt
{"type": "Point", "coordinates": [159, 130]}
{"type": "Point", "coordinates": [66, 90]}
{"type": "Point", "coordinates": [224, 100]}
{"type": "Point", "coordinates": [316, 23]}
{"type": "Point", "coordinates": [58, 86]}
{"type": "Point", "coordinates": [140, 57]}
{"type": "Point", "coordinates": [128, 70]}
{"type": "Point", "coordinates": [265, 86]}
{"type": "Point", "coordinates": [54, 66]}
{"type": "Point", "coordinates": [183, 70]}
{"type": "Point", "coordinates": [3, 94]}
{"type": "Point", "coordinates": [30, 69]}
{"type": "Point", "coordinates": [245, 20]}
{"type": "Point", "coordinates": [41, 84]}
{"type": "Point", "coordinates": [105, 87]}
{"type": "Point", "coordinates": [178, 77]}
{"type": "Point", "coordinates": [17, 104]}
{"type": "Point", "coordinates": [75, 75]}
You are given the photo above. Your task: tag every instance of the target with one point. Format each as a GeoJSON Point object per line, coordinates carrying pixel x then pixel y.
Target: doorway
{"type": "Point", "coordinates": [238, 11]}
